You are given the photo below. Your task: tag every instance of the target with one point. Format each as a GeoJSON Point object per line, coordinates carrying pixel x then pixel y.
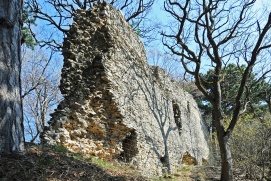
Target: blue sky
{"type": "Point", "coordinates": [158, 14]}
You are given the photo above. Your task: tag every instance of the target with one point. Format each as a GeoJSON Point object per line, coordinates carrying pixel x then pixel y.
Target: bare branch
{"type": "Point", "coordinates": [248, 70]}
{"type": "Point", "coordinates": [62, 11]}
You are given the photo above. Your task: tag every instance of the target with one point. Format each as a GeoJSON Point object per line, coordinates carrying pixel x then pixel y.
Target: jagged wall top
{"type": "Point", "coordinates": [106, 29]}
{"type": "Point", "coordinates": [115, 106]}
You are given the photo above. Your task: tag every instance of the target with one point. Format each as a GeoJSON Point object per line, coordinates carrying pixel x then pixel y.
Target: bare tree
{"type": "Point", "coordinates": [58, 14]}
{"type": "Point", "coordinates": [167, 62]}
{"type": "Point", "coordinates": [11, 115]}
{"type": "Point", "coordinates": [212, 34]}
{"type": "Point", "coordinates": [40, 90]}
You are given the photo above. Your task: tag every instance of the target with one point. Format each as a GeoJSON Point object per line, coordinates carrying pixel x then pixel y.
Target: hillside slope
{"type": "Point", "coordinates": [56, 163]}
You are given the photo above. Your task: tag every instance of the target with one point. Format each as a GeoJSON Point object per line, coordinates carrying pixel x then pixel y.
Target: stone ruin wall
{"type": "Point", "coordinates": [117, 107]}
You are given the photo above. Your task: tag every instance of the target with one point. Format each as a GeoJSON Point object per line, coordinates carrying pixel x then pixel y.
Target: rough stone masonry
{"type": "Point", "coordinates": [117, 107]}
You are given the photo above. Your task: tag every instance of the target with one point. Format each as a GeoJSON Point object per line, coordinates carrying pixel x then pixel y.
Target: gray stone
{"type": "Point", "coordinates": [116, 106]}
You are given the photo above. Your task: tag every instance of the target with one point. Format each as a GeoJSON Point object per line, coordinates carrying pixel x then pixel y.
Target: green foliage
{"type": "Point", "coordinates": [230, 79]}
{"type": "Point", "coordinates": [28, 38]}
{"type": "Point", "coordinates": [135, 27]}
{"type": "Point", "coordinates": [60, 149]}
{"type": "Point", "coordinates": [101, 162]}
{"type": "Point", "coordinates": [250, 144]}
{"type": "Point", "coordinates": [78, 156]}
{"type": "Point", "coordinates": [28, 19]}
{"type": "Point", "coordinates": [187, 89]}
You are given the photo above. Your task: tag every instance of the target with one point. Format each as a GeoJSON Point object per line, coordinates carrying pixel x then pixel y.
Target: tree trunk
{"type": "Point", "coordinates": [11, 115]}
{"type": "Point", "coordinates": [226, 159]}
{"type": "Point", "coordinates": [223, 141]}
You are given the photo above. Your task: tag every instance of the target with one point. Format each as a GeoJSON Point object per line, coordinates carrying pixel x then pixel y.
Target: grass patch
{"type": "Point", "coordinates": [60, 149]}
{"type": "Point", "coordinates": [185, 168]}
{"type": "Point", "coordinates": [101, 162]}
{"type": "Point", "coordinates": [78, 156]}
{"type": "Point", "coordinates": [184, 174]}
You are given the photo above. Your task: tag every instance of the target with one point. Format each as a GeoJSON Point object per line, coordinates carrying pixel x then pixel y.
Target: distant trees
{"type": "Point", "coordinates": [213, 34]}
{"type": "Point", "coordinates": [251, 145]}
{"type": "Point", "coordinates": [255, 97]}
{"type": "Point", "coordinates": [166, 62]}
{"type": "Point", "coordinates": [11, 115]}
{"type": "Point", "coordinates": [40, 91]}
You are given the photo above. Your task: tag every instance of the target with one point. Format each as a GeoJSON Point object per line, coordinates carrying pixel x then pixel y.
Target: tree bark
{"type": "Point", "coordinates": [223, 141]}
{"type": "Point", "coordinates": [11, 114]}
{"type": "Point", "coordinates": [225, 153]}
{"type": "Point", "coordinates": [226, 159]}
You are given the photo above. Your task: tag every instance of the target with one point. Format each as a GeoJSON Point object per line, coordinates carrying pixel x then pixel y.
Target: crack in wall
{"type": "Point", "coordinates": [177, 116]}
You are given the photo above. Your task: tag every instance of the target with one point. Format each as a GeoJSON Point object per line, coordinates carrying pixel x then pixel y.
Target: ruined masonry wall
{"type": "Point", "coordinates": [117, 107]}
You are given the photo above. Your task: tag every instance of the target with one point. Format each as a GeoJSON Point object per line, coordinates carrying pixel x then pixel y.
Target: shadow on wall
{"type": "Point", "coordinates": [161, 114]}
{"type": "Point", "coordinates": [159, 107]}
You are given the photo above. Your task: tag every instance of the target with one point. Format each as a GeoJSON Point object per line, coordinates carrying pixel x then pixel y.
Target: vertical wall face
{"type": "Point", "coordinates": [117, 107]}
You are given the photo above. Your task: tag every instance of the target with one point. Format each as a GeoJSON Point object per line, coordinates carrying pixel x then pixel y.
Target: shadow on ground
{"type": "Point", "coordinates": [48, 163]}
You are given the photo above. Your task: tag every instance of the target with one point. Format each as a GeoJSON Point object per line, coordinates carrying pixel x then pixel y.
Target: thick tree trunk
{"type": "Point", "coordinates": [11, 115]}
{"type": "Point", "coordinates": [226, 159]}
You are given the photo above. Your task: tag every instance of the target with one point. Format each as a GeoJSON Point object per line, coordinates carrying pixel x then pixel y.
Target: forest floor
{"type": "Point", "coordinates": [55, 163]}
